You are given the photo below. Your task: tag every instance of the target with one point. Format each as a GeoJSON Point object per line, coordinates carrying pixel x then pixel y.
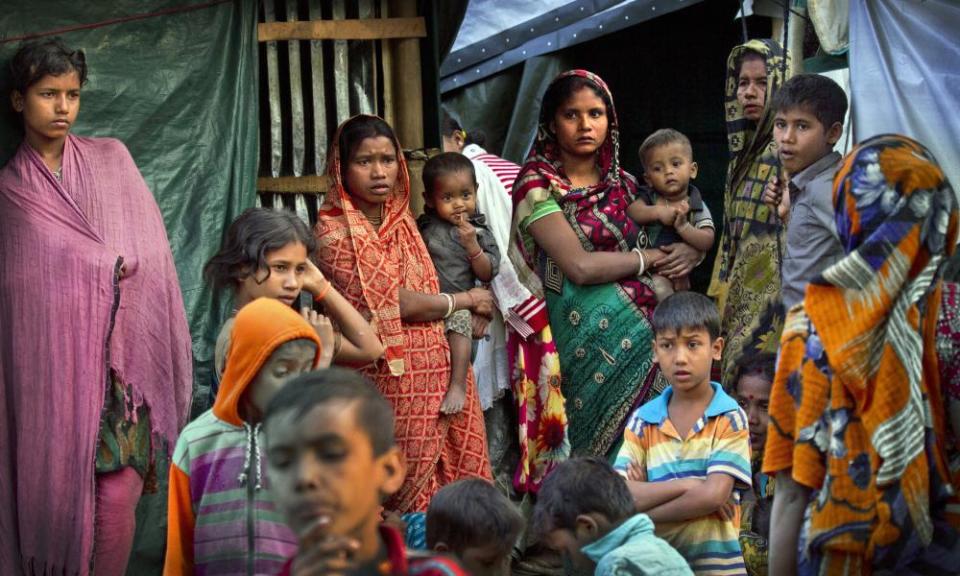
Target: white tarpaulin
{"type": "Point", "coordinates": [905, 74]}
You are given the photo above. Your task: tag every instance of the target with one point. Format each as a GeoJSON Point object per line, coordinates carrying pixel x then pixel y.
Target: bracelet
{"type": "Point", "coordinates": [323, 293]}
{"type": "Point", "coordinates": [451, 302]}
{"type": "Point", "coordinates": [475, 256]}
{"type": "Point", "coordinates": [643, 262]}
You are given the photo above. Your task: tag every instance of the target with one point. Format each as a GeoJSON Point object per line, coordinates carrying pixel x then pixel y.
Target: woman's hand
{"type": "Point", "coordinates": [679, 260]}
{"type": "Point", "coordinates": [313, 279]}
{"type": "Point", "coordinates": [481, 302]}
{"type": "Point", "coordinates": [480, 325]}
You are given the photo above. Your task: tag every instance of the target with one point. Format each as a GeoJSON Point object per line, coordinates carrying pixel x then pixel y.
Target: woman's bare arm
{"type": "Point", "coordinates": [421, 307]}
{"type": "Point", "coordinates": [789, 503]}
{"type": "Point", "coordinates": [555, 236]}
{"type": "Point", "coordinates": [360, 344]}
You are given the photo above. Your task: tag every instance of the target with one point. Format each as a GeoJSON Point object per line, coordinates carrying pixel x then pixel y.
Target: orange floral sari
{"type": "Point", "coordinates": [369, 267]}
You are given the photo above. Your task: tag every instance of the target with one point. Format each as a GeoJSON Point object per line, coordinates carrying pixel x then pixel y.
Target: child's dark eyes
{"type": "Point", "coordinates": [332, 455]}
{"type": "Point", "coordinates": [279, 461]}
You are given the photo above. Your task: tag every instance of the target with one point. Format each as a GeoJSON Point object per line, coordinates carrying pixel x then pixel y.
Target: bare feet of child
{"type": "Point", "coordinates": [454, 398]}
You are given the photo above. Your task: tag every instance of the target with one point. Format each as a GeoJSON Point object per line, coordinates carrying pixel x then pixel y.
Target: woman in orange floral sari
{"type": "Point", "coordinates": [369, 248]}
{"type": "Point", "coordinates": [859, 437]}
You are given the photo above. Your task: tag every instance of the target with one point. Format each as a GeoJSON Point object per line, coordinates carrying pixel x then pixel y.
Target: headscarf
{"type": "Point", "coordinates": [356, 257]}
{"type": "Point", "coordinates": [746, 272]}
{"type": "Point", "coordinates": [543, 177]}
{"type": "Point", "coordinates": [746, 138]}
{"type": "Point", "coordinates": [856, 407]}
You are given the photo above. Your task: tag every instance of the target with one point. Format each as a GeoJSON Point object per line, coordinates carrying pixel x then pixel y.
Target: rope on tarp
{"type": "Point", "coordinates": [112, 21]}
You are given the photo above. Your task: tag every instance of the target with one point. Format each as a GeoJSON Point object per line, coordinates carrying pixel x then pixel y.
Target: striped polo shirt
{"type": "Point", "coordinates": [719, 442]}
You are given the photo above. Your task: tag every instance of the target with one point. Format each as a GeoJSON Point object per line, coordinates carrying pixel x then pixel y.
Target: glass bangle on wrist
{"type": "Point", "coordinates": [451, 303]}
{"type": "Point", "coordinates": [643, 262]}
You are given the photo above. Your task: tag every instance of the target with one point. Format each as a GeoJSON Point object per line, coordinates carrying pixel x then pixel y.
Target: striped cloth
{"type": "Point", "coordinates": [505, 170]}
{"type": "Point", "coordinates": [221, 518]}
{"type": "Point", "coordinates": [209, 460]}
{"type": "Point", "coordinates": [719, 443]}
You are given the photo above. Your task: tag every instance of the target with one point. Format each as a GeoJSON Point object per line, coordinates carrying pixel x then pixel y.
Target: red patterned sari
{"type": "Point", "coordinates": [369, 267]}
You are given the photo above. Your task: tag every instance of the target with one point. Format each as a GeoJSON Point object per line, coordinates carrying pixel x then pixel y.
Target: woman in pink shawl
{"type": "Point", "coordinates": [95, 371]}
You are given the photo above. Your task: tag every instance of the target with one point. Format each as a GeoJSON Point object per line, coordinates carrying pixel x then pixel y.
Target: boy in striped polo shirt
{"type": "Point", "coordinates": [686, 454]}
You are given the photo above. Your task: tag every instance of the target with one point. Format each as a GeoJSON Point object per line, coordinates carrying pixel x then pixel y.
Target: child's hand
{"type": "Point", "coordinates": [680, 219]}
{"type": "Point", "coordinates": [394, 519]}
{"type": "Point", "coordinates": [320, 553]}
{"type": "Point", "coordinates": [667, 215]}
{"type": "Point", "coordinates": [776, 196]}
{"type": "Point", "coordinates": [313, 279]}
{"type": "Point", "coordinates": [479, 325]}
{"type": "Point", "coordinates": [324, 329]}
{"type": "Point", "coordinates": [683, 207]}
{"type": "Point", "coordinates": [635, 472]}
{"type": "Point", "coordinates": [468, 234]}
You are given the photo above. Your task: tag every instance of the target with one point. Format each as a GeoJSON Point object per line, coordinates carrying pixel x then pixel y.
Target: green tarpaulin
{"type": "Point", "coordinates": [176, 81]}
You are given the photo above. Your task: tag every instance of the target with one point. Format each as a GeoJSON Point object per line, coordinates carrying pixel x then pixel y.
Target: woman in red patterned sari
{"type": "Point", "coordinates": [371, 251]}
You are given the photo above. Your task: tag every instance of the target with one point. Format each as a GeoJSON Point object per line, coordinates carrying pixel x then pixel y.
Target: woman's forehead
{"type": "Point", "coordinates": [375, 145]}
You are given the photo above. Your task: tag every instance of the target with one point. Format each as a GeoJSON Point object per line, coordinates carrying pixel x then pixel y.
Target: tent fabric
{"type": "Point", "coordinates": [567, 24]}
{"type": "Point", "coordinates": [176, 81]}
{"type": "Point", "coordinates": [831, 20]}
{"type": "Point", "coordinates": [904, 76]}
{"type": "Point", "coordinates": [180, 90]}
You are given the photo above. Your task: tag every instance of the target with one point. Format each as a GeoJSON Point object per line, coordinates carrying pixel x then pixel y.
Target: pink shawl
{"type": "Point", "coordinates": [60, 248]}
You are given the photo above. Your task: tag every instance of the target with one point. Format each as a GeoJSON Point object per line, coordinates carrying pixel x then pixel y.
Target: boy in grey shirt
{"type": "Point", "coordinates": [808, 122]}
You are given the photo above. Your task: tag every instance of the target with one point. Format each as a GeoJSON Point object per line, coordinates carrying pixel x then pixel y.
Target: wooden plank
{"type": "Point", "coordinates": [319, 97]}
{"type": "Point", "coordinates": [296, 98]}
{"type": "Point", "coordinates": [350, 29]}
{"type": "Point", "coordinates": [294, 184]}
{"type": "Point", "coordinates": [407, 78]}
{"type": "Point", "coordinates": [341, 67]}
{"type": "Point", "coordinates": [386, 66]}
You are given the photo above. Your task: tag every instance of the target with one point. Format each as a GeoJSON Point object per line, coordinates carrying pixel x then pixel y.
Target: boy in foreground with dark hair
{"type": "Point", "coordinates": [686, 454]}
{"type": "Point", "coordinates": [332, 460]}
{"type": "Point", "coordinates": [475, 522]}
{"type": "Point", "coordinates": [584, 511]}
{"type": "Point", "coordinates": [808, 123]}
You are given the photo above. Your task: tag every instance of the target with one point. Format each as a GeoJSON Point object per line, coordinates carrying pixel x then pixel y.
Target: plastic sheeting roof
{"type": "Point", "coordinates": [494, 36]}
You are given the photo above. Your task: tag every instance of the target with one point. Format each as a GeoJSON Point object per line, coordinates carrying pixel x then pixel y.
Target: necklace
{"type": "Point", "coordinates": [58, 173]}
{"type": "Point", "coordinates": [376, 221]}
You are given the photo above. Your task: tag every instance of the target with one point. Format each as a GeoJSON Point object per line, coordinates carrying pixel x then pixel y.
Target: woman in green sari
{"type": "Point", "coordinates": [746, 273]}
{"type": "Point", "coordinates": [575, 247]}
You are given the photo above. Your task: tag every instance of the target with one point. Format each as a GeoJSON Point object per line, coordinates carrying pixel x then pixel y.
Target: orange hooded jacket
{"type": "Point", "coordinates": [221, 518]}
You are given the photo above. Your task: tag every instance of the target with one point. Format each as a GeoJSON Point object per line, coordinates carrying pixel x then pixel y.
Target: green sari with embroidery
{"type": "Point", "coordinates": [602, 332]}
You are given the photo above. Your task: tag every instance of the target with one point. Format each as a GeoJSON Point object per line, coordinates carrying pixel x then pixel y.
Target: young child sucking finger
{"type": "Point", "coordinates": [463, 251]}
